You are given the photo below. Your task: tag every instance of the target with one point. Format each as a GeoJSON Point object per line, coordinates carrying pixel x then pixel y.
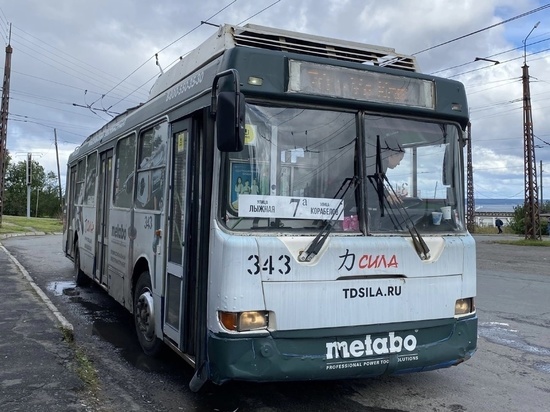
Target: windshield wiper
{"type": "Point", "coordinates": [317, 243]}
{"type": "Point", "coordinates": [380, 181]}
{"type": "Point", "coordinates": [420, 245]}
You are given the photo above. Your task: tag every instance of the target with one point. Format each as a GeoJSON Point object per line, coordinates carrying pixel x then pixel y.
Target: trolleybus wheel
{"type": "Point", "coordinates": [80, 277]}
{"type": "Point", "coordinates": [144, 316]}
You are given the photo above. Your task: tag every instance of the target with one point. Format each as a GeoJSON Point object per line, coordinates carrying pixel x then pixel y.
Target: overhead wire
{"type": "Point", "coordinates": [189, 32]}
{"type": "Point", "coordinates": [4, 22]}
{"type": "Point", "coordinates": [54, 82]}
{"type": "Point", "coordinates": [68, 58]}
{"type": "Point", "coordinates": [62, 64]}
{"type": "Point", "coordinates": [124, 80]}
{"type": "Point", "coordinates": [164, 48]}
{"type": "Point", "coordinates": [493, 56]}
{"type": "Point", "coordinates": [48, 53]}
{"type": "Point", "coordinates": [57, 68]}
{"type": "Point", "coordinates": [30, 119]}
{"type": "Point", "coordinates": [484, 29]}
{"type": "Point", "coordinates": [261, 11]}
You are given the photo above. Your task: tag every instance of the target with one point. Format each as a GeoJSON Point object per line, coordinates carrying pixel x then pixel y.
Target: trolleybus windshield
{"type": "Point", "coordinates": [295, 171]}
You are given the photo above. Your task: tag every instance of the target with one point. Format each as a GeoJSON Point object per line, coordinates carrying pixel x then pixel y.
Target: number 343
{"type": "Point", "coordinates": [270, 265]}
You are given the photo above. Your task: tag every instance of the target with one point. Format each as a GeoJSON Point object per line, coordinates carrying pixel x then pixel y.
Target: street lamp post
{"type": "Point", "coordinates": [525, 43]}
{"type": "Point", "coordinates": [532, 216]}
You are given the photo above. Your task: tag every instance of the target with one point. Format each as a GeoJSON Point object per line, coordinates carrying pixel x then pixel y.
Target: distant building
{"type": "Point", "coordinates": [489, 218]}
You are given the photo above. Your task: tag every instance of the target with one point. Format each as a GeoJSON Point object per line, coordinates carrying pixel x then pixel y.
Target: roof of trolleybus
{"type": "Point", "coordinates": [268, 58]}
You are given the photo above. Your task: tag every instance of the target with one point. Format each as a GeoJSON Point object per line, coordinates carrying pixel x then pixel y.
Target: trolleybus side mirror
{"type": "Point", "coordinates": [229, 111]}
{"type": "Point", "coordinates": [230, 115]}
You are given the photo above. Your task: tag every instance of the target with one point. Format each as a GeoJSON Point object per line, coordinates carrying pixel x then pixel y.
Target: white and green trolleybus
{"type": "Point", "coordinates": [284, 207]}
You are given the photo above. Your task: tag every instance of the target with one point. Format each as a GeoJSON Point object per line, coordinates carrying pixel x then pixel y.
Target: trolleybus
{"type": "Point", "coordinates": [284, 207]}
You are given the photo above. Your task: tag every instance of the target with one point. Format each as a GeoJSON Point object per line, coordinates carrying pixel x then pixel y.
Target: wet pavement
{"type": "Point", "coordinates": [38, 367]}
{"type": "Point", "coordinates": [37, 360]}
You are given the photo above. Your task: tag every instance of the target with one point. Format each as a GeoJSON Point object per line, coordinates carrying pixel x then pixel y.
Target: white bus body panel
{"type": "Point", "coordinates": [86, 222]}
{"type": "Point", "coordinates": [120, 262]}
{"type": "Point", "coordinates": [355, 280]}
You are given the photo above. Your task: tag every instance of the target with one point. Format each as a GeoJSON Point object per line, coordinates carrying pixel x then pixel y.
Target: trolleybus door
{"type": "Point", "coordinates": [70, 213]}
{"type": "Point", "coordinates": [103, 202]}
{"type": "Point", "coordinates": [176, 279]}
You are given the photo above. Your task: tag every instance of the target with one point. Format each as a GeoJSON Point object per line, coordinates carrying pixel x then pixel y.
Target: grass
{"type": "Point", "coordinates": [84, 366]}
{"type": "Point", "coordinates": [86, 371]}
{"type": "Point", "coordinates": [20, 224]}
{"type": "Point", "coordinates": [492, 230]}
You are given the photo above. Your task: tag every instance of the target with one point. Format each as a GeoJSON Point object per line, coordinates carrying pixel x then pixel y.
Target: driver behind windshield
{"type": "Point", "coordinates": [379, 193]}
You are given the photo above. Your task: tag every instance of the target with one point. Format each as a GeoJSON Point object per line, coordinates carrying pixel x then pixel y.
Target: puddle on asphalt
{"type": "Point", "coordinates": [503, 334]}
{"type": "Point", "coordinates": [121, 334]}
{"type": "Point", "coordinates": [543, 367]}
{"type": "Point", "coordinates": [63, 287]}
{"type": "Point", "coordinates": [91, 310]}
{"type": "Point", "coordinates": [114, 325]}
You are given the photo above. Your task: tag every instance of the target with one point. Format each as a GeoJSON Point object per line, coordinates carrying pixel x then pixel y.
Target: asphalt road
{"type": "Point", "coordinates": [509, 372]}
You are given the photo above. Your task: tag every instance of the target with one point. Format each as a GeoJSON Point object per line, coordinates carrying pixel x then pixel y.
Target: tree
{"type": "Point", "coordinates": [517, 223]}
{"type": "Point", "coordinates": [43, 186]}
{"type": "Point", "coordinates": [49, 203]}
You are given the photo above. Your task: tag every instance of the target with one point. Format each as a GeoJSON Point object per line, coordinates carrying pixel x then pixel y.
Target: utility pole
{"type": "Point", "coordinates": [541, 196]}
{"type": "Point", "coordinates": [58, 172]}
{"type": "Point", "coordinates": [470, 203]}
{"type": "Point", "coordinates": [4, 122]}
{"type": "Point", "coordinates": [29, 183]}
{"type": "Point", "coordinates": [532, 215]}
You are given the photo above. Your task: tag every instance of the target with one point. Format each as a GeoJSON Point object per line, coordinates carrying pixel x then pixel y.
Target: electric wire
{"type": "Point", "coordinates": [189, 32]}
{"type": "Point", "coordinates": [484, 29]}
{"type": "Point", "coordinates": [261, 11]}
{"type": "Point", "coordinates": [161, 50]}
{"type": "Point", "coordinates": [67, 58]}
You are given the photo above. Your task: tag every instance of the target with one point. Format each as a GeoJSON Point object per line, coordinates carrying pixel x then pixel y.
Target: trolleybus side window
{"type": "Point", "coordinates": [151, 164]}
{"type": "Point", "coordinates": [124, 171]}
{"type": "Point", "coordinates": [80, 176]}
{"type": "Point", "coordinates": [91, 173]}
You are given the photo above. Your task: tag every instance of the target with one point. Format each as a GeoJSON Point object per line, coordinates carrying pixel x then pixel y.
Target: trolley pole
{"type": "Point", "coordinates": [4, 122]}
{"type": "Point", "coordinates": [532, 215]}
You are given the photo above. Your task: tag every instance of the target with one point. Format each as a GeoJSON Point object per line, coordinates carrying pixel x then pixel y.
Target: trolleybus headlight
{"type": "Point", "coordinates": [464, 306]}
{"type": "Point", "coordinates": [243, 321]}
{"type": "Point", "coordinates": [255, 81]}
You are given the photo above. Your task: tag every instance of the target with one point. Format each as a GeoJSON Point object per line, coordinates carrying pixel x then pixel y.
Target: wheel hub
{"type": "Point", "coordinates": [145, 315]}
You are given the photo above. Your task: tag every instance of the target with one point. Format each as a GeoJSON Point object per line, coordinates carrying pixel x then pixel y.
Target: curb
{"type": "Point", "coordinates": [8, 235]}
{"type": "Point", "coordinates": [66, 326]}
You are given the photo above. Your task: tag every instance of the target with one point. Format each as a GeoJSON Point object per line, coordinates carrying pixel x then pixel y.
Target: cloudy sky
{"type": "Point", "coordinates": [77, 62]}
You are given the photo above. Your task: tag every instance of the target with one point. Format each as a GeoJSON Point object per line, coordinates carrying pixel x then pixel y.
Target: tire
{"type": "Point", "coordinates": [144, 316]}
{"type": "Point", "coordinates": [80, 277]}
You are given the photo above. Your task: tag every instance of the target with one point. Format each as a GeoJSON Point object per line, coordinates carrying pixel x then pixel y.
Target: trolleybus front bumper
{"type": "Point", "coordinates": [342, 353]}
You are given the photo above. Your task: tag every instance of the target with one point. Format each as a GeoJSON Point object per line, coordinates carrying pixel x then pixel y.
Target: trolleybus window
{"type": "Point", "coordinates": [91, 173]}
{"type": "Point", "coordinates": [151, 163]}
{"type": "Point", "coordinates": [124, 171]}
{"type": "Point", "coordinates": [80, 178]}
{"type": "Point", "coordinates": [420, 183]}
{"type": "Point", "coordinates": [294, 162]}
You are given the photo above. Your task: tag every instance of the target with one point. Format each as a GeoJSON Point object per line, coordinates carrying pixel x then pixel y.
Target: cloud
{"type": "Point", "coordinates": [70, 54]}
